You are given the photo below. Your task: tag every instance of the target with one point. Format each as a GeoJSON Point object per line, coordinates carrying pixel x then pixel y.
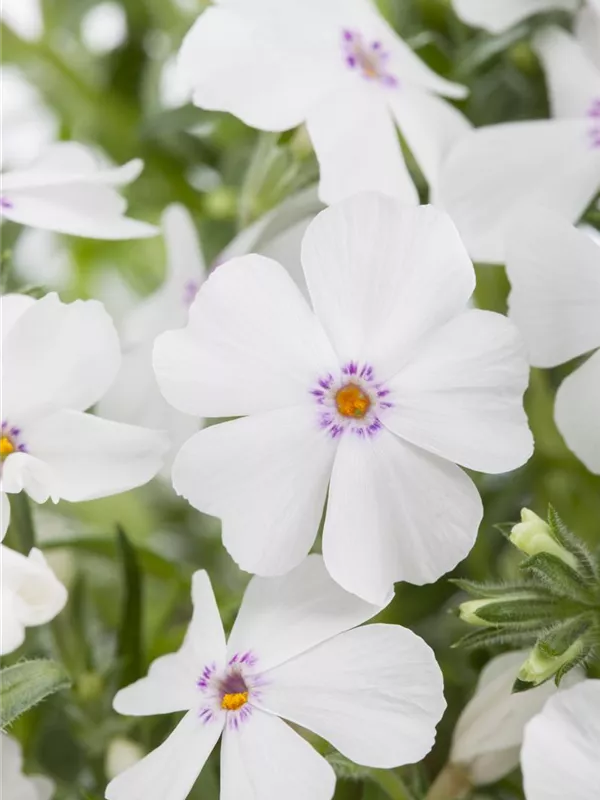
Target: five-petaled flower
{"type": "Point", "coordinates": [554, 270]}
{"type": "Point", "coordinates": [58, 360]}
{"type": "Point", "coordinates": [494, 173]}
{"type": "Point", "coordinates": [294, 653]}
{"type": "Point", "coordinates": [340, 68]}
{"type": "Point", "coordinates": [374, 394]}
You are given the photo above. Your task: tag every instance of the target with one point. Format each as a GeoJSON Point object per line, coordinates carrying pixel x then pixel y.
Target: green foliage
{"type": "Point", "coordinates": [24, 685]}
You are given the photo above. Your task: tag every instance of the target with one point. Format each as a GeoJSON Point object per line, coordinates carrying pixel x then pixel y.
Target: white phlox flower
{"type": "Point", "coordinates": [375, 693]}
{"type": "Point", "coordinates": [494, 172]}
{"type": "Point", "coordinates": [554, 270]}
{"type": "Point", "coordinates": [488, 735]}
{"type": "Point", "coordinates": [340, 68]}
{"type": "Point", "coordinates": [497, 16]}
{"type": "Point", "coordinates": [67, 190]}
{"type": "Point", "coordinates": [561, 746]}
{"type": "Point", "coordinates": [372, 395]}
{"type": "Point", "coordinates": [134, 396]}
{"type": "Point", "coordinates": [58, 360]}
{"type": "Point", "coordinates": [13, 784]}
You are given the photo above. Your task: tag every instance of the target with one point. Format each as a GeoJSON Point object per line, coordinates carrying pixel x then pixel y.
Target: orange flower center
{"type": "Point", "coordinates": [351, 401]}
{"type": "Point", "coordinates": [234, 700]}
{"type": "Point", "coordinates": [6, 447]}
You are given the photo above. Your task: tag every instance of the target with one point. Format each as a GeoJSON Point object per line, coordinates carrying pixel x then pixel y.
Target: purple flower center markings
{"type": "Point", "coordinates": [369, 58]}
{"type": "Point", "coordinates": [594, 115]}
{"type": "Point", "coordinates": [230, 690]}
{"type": "Point", "coordinates": [190, 290]}
{"type": "Point", "coordinates": [11, 441]}
{"type": "Point", "coordinates": [5, 203]}
{"type": "Point", "coordinates": [355, 401]}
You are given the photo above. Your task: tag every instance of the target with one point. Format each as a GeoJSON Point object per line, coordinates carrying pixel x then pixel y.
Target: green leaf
{"type": "Point", "coordinates": [24, 685]}
{"type": "Point", "coordinates": [485, 590]}
{"type": "Point", "coordinates": [489, 637]}
{"type": "Point", "coordinates": [129, 646]}
{"type": "Point", "coordinates": [526, 609]}
{"type": "Point", "coordinates": [558, 577]}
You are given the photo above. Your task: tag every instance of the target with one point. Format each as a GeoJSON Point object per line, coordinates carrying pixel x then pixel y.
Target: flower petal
{"type": "Point", "coordinates": [573, 79]}
{"type": "Point", "coordinates": [24, 472]}
{"type": "Point", "coordinates": [461, 395]}
{"type": "Point", "coordinates": [234, 65]}
{"type": "Point", "coordinates": [91, 457]}
{"type": "Point", "coordinates": [251, 344]}
{"type": "Point", "coordinates": [355, 140]}
{"type": "Point", "coordinates": [498, 15]}
{"type": "Point", "coordinates": [171, 683]}
{"type": "Point", "coordinates": [12, 630]}
{"type": "Point", "coordinates": [4, 514]}
{"type": "Point", "coordinates": [560, 752]}
{"type": "Point", "coordinates": [375, 693]}
{"type": "Point", "coordinates": [282, 617]}
{"type": "Point", "coordinates": [58, 355]}
{"type": "Point", "coordinates": [587, 30]}
{"type": "Point", "coordinates": [266, 476]}
{"type": "Point", "coordinates": [170, 771]}
{"type": "Point", "coordinates": [554, 270]}
{"type": "Point", "coordinates": [264, 758]}
{"type": "Point", "coordinates": [576, 412]}
{"type": "Point", "coordinates": [495, 171]}
{"type": "Point", "coordinates": [381, 276]}
{"type": "Point", "coordinates": [13, 306]}
{"type": "Point", "coordinates": [395, 513]}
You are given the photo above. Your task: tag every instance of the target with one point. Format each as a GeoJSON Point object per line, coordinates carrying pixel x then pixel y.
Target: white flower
{"type": "Point", "coordinates": [340, 68]}
{"type": "Point", "coordinates": [68, 191]}
{"type": "Point", "coordinates": [57, 360]}
{"type": "Point", "coordinates": [488, 736]}
{"type": "Point", "coordinates": [587, 28]}
{"type": "Point", "coordinates": [493, 173]}
{"type": "Point", "coordinates": [24, 17]}
{"type": "Point", "coordinates": [375, 693]}
{"type": "Point", "coordinates": [560, 751]}
{"type": "Point", "coordinates": [499, 15]}
{"type": "Point", "coordinates": [135, 397]}
{"type": "Point", "coordinates": [13, 784]}
{"type": "Point", "coordinates": [554, 270]}
{"type": "Point", "coordinates": [375, 394]}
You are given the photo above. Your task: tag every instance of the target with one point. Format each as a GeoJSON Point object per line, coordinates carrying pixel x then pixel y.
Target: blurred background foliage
{"type": "Point", "coordinates": [129, 592]}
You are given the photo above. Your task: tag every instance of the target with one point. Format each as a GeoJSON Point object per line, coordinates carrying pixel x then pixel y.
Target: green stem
{"type": "Point", "coordinates": [391, 783]}
{"type": "Point", "coordinates": [22, 521]}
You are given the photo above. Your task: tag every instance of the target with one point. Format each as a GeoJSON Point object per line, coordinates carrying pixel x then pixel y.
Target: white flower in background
{"type": "Point", "coordinates": [294, 653]}
{"type": "Point", "coordinates": [120, 755]}
{"type": "Point", "coordinates": [67, 190]}
{"type": "Point", "coordinates": [104, 27]}
{"type": "Point", "coordinates": [340, 68]}
{"type": "Point", "coordinates": [493, 173]}
{"type": "Point", "coordinates": [24, 17]}
{"type": "Point", "coordinates": [373, 395]}
{"type": "Point", "coordinates": [58, 360]}
{"type": "Point", "coordinates": [499, 15]}
{"type": "Point", "coordinates": [13, 784]}
{"type": "Point", "coordinates": [560, 752]}
{"type": "Point", "coordinates": [489, 733]}
{"type": "Point", "coordinates": [587, 29]}
{"type": "Point", "coordinates": [27, 124]}
{"type": "Point", "coordinates": [135, 397]}
{"type": "Point", "coordinates": [554, 270]}
{"type": "Point", "coordinates": [41, 258]}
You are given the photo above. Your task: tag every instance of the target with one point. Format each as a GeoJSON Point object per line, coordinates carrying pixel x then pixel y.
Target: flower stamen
{"type": "Point", "coordinates": [6, 447]}
{"type": "Point", "coordinates": [351, 401]}
{"type": "Point", "coordinates": [234, 701]}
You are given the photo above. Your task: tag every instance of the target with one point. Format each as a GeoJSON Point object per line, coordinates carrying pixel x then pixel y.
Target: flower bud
{"type": "Point", "coordinates": [122, 753]}
{"type": "Point", "coordinates": [543, 664]}
{"type": "Point", "coordinates": [468, 611]}
{"type": "Point", "coordinates": [533, 535]}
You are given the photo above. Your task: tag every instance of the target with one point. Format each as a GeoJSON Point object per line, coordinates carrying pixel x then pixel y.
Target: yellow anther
{"type": "Point", "coordinates": [351, 401]}
{"type": "Point", "coordinates": [6, 447]}
{"type": "Point", "coordinates": [231, 702]}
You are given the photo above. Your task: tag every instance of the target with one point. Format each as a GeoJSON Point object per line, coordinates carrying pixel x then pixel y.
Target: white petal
{"type": "Point", "coordinates": [573, 79]}
{"type": "Point", "coordinates": [381, 276]}
{"type": "Point", "coordinates": [355, 140]}
{"type": "Point", "coordinates": [576, 412]}
{"type": "Point", "coordinates": [587, 30]}
{"type": "Point", "coordinates": [251, 344]}
{"type": "Point", "coordinates": [495, 171]}
{"type": "Point", "coordinates": [430, 125]}
{"type": "Point", "coordinates": [266, 477]}
{"type": "Point", "coordinates": [57, 355]}
{"type": "Point", "coordinates": [264, 759]}
{"type": "Point", "coordinates": [24, 472]}
{"type": "Point", "coordinates": [560, 752]}
{"type": "Point", "coordinates": [12, 630]}
{"type": "Point", "coordinates": [461, 395]}
{"type": "Point", "coordinates": [4, 514]}
{"type": "Point", "coordinates": [13, 306]}
{"type": "Point", "coordinates": [498, 15]}
{"type": "Point", "coordinates": [170, 771]}
{"type": "Point", "coordinates": [91, 457]}
{"type": "Point", "coordinates": [375, 693]}
{"type": "Point", "coordinates": [233, 65]}
{"type": "Point", "coordinates": [171, 683]}
{"type": "Point", "coordinates": [282, 617]}
{"type": "Point", "coordinates": [554, 271]}
{"type": "Point", "coordinates": [395, 513]}
{"type": "Point", "coordinates": [44, 787]}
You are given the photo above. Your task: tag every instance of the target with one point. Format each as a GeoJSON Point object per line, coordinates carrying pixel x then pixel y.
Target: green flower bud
{"type": "Point", "coordinates": [533, 535]}
{"type": "Point", "coordinates": [468, 611]}
{"type": "Point", "coordinates": [542, 665]}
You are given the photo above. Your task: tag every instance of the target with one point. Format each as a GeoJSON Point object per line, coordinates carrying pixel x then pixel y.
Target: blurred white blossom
{"type": "Point", "coordinates": [104, 27]}
{"type": "Point", "coordinates": [294, 653]}
{"type": "Point", "coordinates": [28, 125]}
{"type": "Point", "coordinates": [121, 755]}
{"type": "Point", "coordinates": [24, 17]}
{"type": "Point", "coordinates": [499, 15]}
{"type": "Point", "coordinates": [13, 784]}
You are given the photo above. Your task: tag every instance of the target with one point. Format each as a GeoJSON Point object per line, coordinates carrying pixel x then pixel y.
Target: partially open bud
{"type": "Point", "coordinates": [542, 664]}
{"type": "Point", "coordinates": [533, 535]}
{"type": "Point", "coordinates": [468, 611]}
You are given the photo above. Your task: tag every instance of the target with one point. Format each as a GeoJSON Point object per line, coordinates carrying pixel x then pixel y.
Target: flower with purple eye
{"type": "Point", "coordinates": [368, 58]}
{"type": "Point", "coordinates": [11, 441]}
{"type": "Point", "coordinates": [298, 652]}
